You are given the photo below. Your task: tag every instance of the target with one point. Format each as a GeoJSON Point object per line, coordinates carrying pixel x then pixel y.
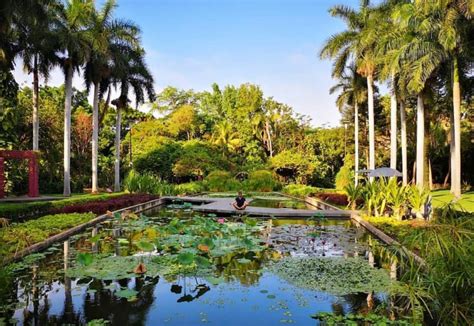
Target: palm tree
{"type": "Point", "coordinates": [72, 36]}
{"type": "Point", "coordinates": [352, 90]}
{"type": "Point", "coordinates": [225, 137]}
{"type": "Point", "coordinates": [130, 71]}
{"type": "Point", "coordinates": [417, 56]}
{"type": "Point", "coordinates": [37, 50]}
{"type": "Point", "coordinates": [104, 31]}
{"type": "Point", "coordinates": [357, 42]}
{"type": "Point", "coordinates": [453, 22]}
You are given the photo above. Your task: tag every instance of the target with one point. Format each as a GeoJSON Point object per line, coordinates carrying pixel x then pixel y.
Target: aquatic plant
{"type": "Point", "coordinates": [338, 276]}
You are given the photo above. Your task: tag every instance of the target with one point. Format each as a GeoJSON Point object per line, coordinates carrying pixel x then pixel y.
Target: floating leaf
{"type": "Point", "coordinates": [128, 294]}
{"type": "Point", "coordinates": [84, 258]}
{"type": "Point", "coordinates": [203, 247]}
{"type": "Point", "coordinates": [145, 246]}
{"type": "Point", "coordinates": [186, 258]}
{"type": "Point", "coordinates": [244, 261]}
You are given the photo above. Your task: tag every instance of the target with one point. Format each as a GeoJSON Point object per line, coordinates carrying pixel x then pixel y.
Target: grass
{"type": "Point", "coordinates": [443, 197]}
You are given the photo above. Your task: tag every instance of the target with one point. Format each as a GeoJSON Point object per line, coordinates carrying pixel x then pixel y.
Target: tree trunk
{"type": "Point", "coordinates": [393, 126]}
{"type": "Point", "coordinates": [117, 149]}
{"type": "Point", "coordinates": [356, 142]}
{"type": "Point", "coordinates": [456, 173]}
{"type": "Point", "coordinates": [95, 138]}
{"type": "Point", "coordinates": [452, 166]}
{"type": "Point", "coordinates": [403, 127]}
{"type": "Point", "coordinates": [67, 131]}
{"type": "Point", "coordinates": [420, 141]}
{"type": "Point", "coordinates": [105, 109]}
{"type": "Point", "coordinates": [269, 138]}
{"type": "Point", "coordinates": [35, 105]}
{"type": "Point", "coordinates": [371, 123]}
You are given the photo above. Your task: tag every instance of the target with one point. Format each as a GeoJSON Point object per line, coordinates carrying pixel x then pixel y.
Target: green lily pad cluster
{"type": "Point", "coordinates": [338, 276]}
{"type": "Point", "coordinates": [180, 247]}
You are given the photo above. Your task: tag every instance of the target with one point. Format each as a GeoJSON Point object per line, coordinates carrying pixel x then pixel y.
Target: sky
{"type": "Point", "coordinates": [271, 43]}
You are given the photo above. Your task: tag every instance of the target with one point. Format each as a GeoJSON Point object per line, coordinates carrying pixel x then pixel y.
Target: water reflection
{"type": "Point", "coordinates": [238, 292]}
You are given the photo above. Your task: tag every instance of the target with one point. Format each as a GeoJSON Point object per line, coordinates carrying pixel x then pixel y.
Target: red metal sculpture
{"type": "Point", "coordinates": [32, 156]}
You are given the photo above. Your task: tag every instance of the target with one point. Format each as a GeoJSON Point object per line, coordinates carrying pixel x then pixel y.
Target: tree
{"type": "Point", "coordinates": [352, 93]}
{"type": "Point", "coordinates": [131, 73]}
{"type": "Point", "coordinates": [104, 32]}
{"type": "Point", "coordinates": [357, 42]}
{"type": "Point", "coordinates": [71, 34]}
{"type": "Point", "coordinates": [37, 50]}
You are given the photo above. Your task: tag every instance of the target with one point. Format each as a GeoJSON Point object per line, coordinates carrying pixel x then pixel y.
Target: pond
{"type": "Point", "coordinates": [176, 268]}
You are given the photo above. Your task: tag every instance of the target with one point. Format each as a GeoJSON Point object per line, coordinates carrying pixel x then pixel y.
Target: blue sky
{"type": "Point", "coordinates": [272, 43]}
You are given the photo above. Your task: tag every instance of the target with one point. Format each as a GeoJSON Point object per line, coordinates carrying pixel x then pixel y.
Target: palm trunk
{"type": "Point", "coordinates": [393, 126]}
{"type": "Point", "coordinates": [105, 109]}
{"type": "Point", "coordinates": [452, 145]}
{"type": "Point", "coordinates": [403, 127]}
{"type": "Point", "coordinates": [456, 174]}
{"type": "Point", "coordinates": [420, 141]}
{"type": "Point", "coordinates": [35, 105]}
{"type": "Point", "coordinates": [371, 123]}
{"type": "Point", "coordinates": [67, 132]}
{"type": "Point", "coordinates": [117, 149]}
{"type": "Point", "coordinates": [269, 138]}
{"type": "Point", "coordinates": [95, 137]}
{"type": "Point", "coordinates": [356, 142]}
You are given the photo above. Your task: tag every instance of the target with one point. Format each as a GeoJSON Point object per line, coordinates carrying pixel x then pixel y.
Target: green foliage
{"type": "Point", "coordinates": [299, 190]}
{"type": "Point", "coordinates": [339, 276]}
{"type": "Point", "coordinates": [147, 184]}
{"type": "Point", "coordinates": [329, 319]}
{"type": "Point", "coordinates": [293, 165]}
{"type": "Point", "coordinates": [261, 180]}
{"type": "Point", "coordinates": [345, 176]}
{"type": "Point", "coordinates": [222, 181]}
{"type": "Point", "coordinates": [159, 162]}
{"type": "Point", "coordinates": [190, 188]}
{"type": "Point", "coordinates": [16, 237]}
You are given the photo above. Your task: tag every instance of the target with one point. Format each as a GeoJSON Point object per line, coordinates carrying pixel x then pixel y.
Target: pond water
{"type": "Point", "coordinates": [240, 287]}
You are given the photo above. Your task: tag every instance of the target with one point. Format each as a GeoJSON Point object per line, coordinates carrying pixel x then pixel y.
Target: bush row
{"type": "Point", "coordinates": [220, 181]}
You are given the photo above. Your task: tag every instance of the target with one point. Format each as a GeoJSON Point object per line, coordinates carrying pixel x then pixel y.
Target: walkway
{"type": "Point", "coordinates": [224, 206]}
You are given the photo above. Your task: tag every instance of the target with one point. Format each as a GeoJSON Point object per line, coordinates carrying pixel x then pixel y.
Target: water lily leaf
{"type": "Point", "coordinates": [214, 280]}
{"type": "Point", "coordinates": [84, 258]}
{"type": "Point", "coordinates": [123, 241]}
{"type": "Point", "coordinates": [203, 247]}
{"type": "Point", "coordinates": [271, 296]}
{"type": "Point", "coordinates": [186, 258]}
{"type": "Point", "coordinates": [145, 246]}
{"type": "Point", "coordinates": [202, 261]}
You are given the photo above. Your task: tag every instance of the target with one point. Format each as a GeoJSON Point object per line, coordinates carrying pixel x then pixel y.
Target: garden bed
{"type": "Point", "coordinates": [98, 204]}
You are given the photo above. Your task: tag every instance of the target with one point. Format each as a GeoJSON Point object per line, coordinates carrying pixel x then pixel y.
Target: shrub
{"type": "Point", "coordinates": [190, 188]}
{"type": "Point", "coordinates": [222, 181]}
{"type": "Point", "coordinates": [299, 190]}
{"type": "Point", "coordinates": [261, 180]}
{"type": "Point", "coordinates": [345, 176]}
{"type": "Point", "coordinates": [147, 184]}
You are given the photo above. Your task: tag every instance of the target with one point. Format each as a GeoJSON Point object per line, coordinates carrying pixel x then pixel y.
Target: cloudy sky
{"type": "Point", "coordinates": [272, 43]}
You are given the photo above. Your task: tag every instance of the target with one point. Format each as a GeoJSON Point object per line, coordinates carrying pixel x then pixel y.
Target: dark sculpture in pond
{"type": "Point", "coordinates": [32, 156]}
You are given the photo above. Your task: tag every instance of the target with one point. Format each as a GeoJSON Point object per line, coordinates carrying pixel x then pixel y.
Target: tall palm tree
{"type": "Point", "coordinates": [104, 32]}
{"type": "Point", "coordinates": [71, 33]}
{"type": "Point", "coordinates": [357, 42]}
{"type": "Point", "coordinates": [129, 73]}
{"type": "Point", "coordinates": [417, 56]}
{"type": "Point", "coordinates": [37, 50]}
{"type": "Point", "coordinates": [453, 26]}
{"type": "Point", "coordinates": [352, 92]}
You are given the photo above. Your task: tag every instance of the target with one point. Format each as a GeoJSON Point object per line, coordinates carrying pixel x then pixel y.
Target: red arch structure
{"type": "Point", "coordinates": [32, 157]}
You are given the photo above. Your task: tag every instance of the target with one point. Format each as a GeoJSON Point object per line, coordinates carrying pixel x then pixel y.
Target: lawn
{"type": "Point", "coordinates": [442, 197]}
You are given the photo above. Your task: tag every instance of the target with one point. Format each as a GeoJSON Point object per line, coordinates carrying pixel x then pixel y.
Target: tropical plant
{"type": "Point", "coordinates": [71, 33]}
{"type": "Point", "coordinates": [105, 33]}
